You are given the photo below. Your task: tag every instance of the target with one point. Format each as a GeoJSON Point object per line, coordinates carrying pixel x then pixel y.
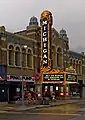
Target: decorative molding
{"type": "Point", "coordinates": [80, 61]}
{"type": "Point", "coordinates": [60, 48]}
{"type": "Point", "coordinates": [53, 45]}
{"type": "Point", "coordinates": [29, 48]}
{"type": "Point", "coordinates": [17, 45]}
{"type": "Point", "coordinates": [9, 45]}
{"type": "Point", "coordinates": [31, 33]}
{"type": "Point", "coordinates": [26, 38]}
{"type": "Point", "coordinates": [34, 55]}
{"type": "Point", "coordinates": [4, 49]}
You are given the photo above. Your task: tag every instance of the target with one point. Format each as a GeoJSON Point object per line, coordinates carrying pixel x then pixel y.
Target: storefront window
{"type": "Point", "coordinates": [17, 89]}
{"type": "Point", "coordinates": [31, 89]}
{"type": "Point", "coordinates": [46, 87]}
{"type": "Point", "coordinates": [67, 89]}
{"type": "Point", "coordinates": [61, 89]}
{"type": "Point", "coordinates": [51, 88]}
{"type": "Point", "coordinates": [56, 87]}
{"type": "Point", "coordinates": [38, 89]}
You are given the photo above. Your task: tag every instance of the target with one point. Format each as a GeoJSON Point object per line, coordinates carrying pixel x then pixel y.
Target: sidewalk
{"type": "Point", "coordinates": [18, 108]}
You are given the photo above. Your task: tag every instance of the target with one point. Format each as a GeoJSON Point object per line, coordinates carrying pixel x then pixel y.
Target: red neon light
{"type": "Point", "coordinates": [67, 94]}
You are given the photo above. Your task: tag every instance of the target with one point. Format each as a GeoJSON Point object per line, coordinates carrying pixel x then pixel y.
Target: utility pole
{"type": "Point", "coordinates": [22, 91]}
{"type": "Point", "coordinates": [25, 46]}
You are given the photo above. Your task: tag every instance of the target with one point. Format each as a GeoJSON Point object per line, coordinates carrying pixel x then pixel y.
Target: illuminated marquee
{"type": "Point", "coordinates": [53, 77]}
{"type": "Point", "coordinates": [71, 77]}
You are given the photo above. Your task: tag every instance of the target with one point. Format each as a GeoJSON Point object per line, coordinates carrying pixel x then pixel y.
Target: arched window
{"type": "Point", "coordinates": [77, 67]}
{"type": "Point", "coordinates": [80, 67]}
{"type": "Point", "coordinates": [74, 64]}
{"type": "Point", "coordinates": [23, 57]}
{"type": "Point", "coordinates": [29, 58]}
{"type": "Point", "coordinates": [11, 55]}
{"type": "Point", "coordinates": [53, 56]}
{"type": "Point", "coordinates": [59, 57]}
{"type": "Point", "coordinates": [17, 56]}
{"type": "Point", "coordinates": [70, 62]}
{"type": "Point", "coordinates": [65, 65]}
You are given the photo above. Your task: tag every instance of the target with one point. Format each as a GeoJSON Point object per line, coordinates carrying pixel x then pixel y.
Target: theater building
{"type": "Point", "coordinates": [20, 55]}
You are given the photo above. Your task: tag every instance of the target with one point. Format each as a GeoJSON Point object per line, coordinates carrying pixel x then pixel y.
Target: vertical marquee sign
{"type": "Point", "coordinates": [46, 23]}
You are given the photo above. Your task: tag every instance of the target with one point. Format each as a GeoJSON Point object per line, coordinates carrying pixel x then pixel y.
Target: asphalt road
{"type": "Point", "coordinates": [64, 112]}
{"type": "Point", "coordinates": [40, 117]}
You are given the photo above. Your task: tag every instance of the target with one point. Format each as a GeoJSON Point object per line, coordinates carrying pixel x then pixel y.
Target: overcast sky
{"type": "Point", "coordinates": [67, 14]}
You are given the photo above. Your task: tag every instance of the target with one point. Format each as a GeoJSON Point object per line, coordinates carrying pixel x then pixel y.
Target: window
{"type": "Point", "coordinates": [59, 57]}
{"type": "Point", "coordinates": [11, 55]}
{"type": "Point", "coordinates": [29, 58]}
{"type": "Point", "coordinates": [53, 56]}
{"type": "Point", "coordinates": [74, 64]}
{"type": "Point", "coordinates": [23, 57]}
{"type": "Point", "coordinates": [17, 56]}
{"type": "Point", "coordinates": [70, 62]}
{"type": "Point", "coordinates": [77, 67]}
{"type": "Point", "coordinates": [80, 67]}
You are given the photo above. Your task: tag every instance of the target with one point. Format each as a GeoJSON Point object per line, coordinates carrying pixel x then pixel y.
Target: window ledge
{"type": "Point", "coordinates": [14, 66]}
{"type": "Point", "coordinates": [11, 66]}
{"type": "Point", "coordinates": [17, 66]}
{"type": "Point", "coordinates": [30, 68]}
{"type": "Point", "coordinates": [79, 74]}
{"type": "Point", "coordinates": [24, 67]}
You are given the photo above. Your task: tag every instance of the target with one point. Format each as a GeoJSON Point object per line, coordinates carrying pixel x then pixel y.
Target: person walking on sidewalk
{"type": "Point", "coordinates": [46, 97]}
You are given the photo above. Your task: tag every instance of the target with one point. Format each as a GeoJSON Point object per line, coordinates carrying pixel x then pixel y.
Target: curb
{"type": "Point", "coordinates": [46, 106]}
{"type": "Point", "coordinates": [39, 106]}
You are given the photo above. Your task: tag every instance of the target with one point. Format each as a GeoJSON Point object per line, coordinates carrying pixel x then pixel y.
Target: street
{"type": "Point", "coordinates": [63, 112]}
{"type": "Point", "coordinates": [40, 116]}
{"type": "Point", "coordinates": [33, 117]}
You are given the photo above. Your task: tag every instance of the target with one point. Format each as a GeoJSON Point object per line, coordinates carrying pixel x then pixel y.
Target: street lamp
{"type": "Point", "coordinates": [25, 46]}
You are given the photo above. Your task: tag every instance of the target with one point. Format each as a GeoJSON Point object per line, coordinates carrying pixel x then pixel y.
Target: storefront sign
{"type": "Point", "coordinates": [46, 23]}
{"type": "Point", "coordinates": [53, 77]}
{"type": "Point", "coordinates": [19, 78]}
{"type": "Point", "coordinates": [71, 77]}
{"type": "Point", "coordinates": [45, 41]}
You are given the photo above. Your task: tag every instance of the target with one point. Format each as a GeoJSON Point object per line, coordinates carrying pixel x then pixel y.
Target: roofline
{"type": "Point", "coordinates": [19, 31]}
{"type": "Point", "coordinates": [55, 30]}
{"type": "Point", "coordinates": [75, 52]}
{"type": "Point", "coordinates": [21, 36]}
